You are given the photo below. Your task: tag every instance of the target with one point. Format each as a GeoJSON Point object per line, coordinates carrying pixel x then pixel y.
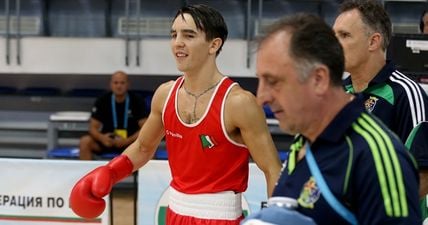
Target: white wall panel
{"type": "Point", "coordinates": [41, 55]}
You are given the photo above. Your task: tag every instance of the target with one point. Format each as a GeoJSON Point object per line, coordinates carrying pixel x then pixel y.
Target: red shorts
{"type": "Point", "coordinates": [173, 218]}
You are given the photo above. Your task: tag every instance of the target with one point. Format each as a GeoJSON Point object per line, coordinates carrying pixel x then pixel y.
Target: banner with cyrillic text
{"type": "Point", "coordinates": [36, 192]}
{"type": "Point", "coordinates": [153, 183]}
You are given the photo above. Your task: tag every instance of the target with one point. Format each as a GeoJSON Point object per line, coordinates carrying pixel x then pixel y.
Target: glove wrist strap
{"type": "Point", "coordinates": [121, 166]}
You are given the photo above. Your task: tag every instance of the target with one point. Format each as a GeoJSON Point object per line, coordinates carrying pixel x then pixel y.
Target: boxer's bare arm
{"type": "Point", "coordinates": [244, 115]}
{"type": "Point", "coordinates": [152, 132]}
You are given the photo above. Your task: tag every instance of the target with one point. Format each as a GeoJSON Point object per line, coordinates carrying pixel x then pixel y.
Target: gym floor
{"type": "Point", "coordinates": [123, 206]}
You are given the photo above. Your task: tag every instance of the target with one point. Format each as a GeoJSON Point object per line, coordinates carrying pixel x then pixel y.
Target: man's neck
{"type": "Point", "coordinates": [198, 80]}
{"type": "Point", "coordinates": [362, 75]}
{"type": "Point", "coordinates": [333, 103]}
{"type": "Point", "coordinates": [120, 98]}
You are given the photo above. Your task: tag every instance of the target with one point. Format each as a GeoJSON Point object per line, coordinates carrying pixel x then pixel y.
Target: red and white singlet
{"type": "Point", "coordinates": [202, 158]}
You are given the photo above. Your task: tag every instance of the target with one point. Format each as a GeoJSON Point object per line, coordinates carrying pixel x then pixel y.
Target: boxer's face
{"type": "Point", "coordinates": [188, 44]}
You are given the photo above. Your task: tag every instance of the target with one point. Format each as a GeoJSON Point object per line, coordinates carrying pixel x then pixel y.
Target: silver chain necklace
{"type": "Point", "coordinates": [196, 96]}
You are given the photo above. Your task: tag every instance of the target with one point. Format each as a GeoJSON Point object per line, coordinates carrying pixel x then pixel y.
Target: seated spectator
{"type": "Point", "coordinates": [115, 121]}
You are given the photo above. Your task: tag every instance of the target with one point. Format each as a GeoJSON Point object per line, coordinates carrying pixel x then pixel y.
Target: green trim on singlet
{"type": "Point", "coordinates": [387, 166]}
{"type": "Point", "coordinates": [409, 143]}
{"type": "Point", "coordinates": [423, 204]}
{"type": "Point", "coordinates": [409, 140]}
{"type": "Point", "coordinates": [349, 89]}
{"type": "Point", "coordinates": [349, 166]}
{"type": "Point", "coordinates": [384, 91]}
{"type": "Point", "coordinates": [396, 165]}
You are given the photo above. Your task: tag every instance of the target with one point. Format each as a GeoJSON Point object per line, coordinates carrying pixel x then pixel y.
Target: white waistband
{"type": "Point", "coordinates": [224, 205]}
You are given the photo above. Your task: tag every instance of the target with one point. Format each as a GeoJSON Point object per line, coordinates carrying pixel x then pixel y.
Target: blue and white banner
{"type": "Point", "coordinates": [36, 192]}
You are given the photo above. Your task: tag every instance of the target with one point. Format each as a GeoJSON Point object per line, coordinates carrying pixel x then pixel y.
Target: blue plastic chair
{"type": "Point", "coordinates": [63, 153]}
{"type": "Point", "coordinates": [7, 90]}
{"type": "Point", "coordinates": [41, 91]}
{"type": "Point", "coordinates": [161, 154]}
{"type": "Point", "coordinates": [268, 111]}
{"type": "Point", "coordinates": [86, 92]}
{"type": "Point", "coordinates": [73, 153]}
{"type": "Point", "coordinates": [283, 155]}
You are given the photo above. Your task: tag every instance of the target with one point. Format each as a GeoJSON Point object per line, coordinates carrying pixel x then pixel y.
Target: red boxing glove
{"type": "Point", "coordinates": [86, 198]}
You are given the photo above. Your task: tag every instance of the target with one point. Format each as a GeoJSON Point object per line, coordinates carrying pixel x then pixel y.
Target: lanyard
{"type": "Point", "coordinates": [125, 113]}
{"type": "Point", "coordinates": [325, 190]}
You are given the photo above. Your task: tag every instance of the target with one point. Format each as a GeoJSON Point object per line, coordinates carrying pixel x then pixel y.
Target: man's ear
{"type": "Point", "coordinates": [375, 41]}
{"type": "Point", "coordinates": [320, 79]}
{"type": "Point", "coordinates": [215, 45]}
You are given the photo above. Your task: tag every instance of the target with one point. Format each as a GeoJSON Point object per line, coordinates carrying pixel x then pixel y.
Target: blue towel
{"type": "Point", "coordinates": [278, 216]}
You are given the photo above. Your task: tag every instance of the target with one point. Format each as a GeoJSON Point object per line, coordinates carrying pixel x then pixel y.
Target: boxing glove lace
{"type": "Point", "coordinates": [86, 198]}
